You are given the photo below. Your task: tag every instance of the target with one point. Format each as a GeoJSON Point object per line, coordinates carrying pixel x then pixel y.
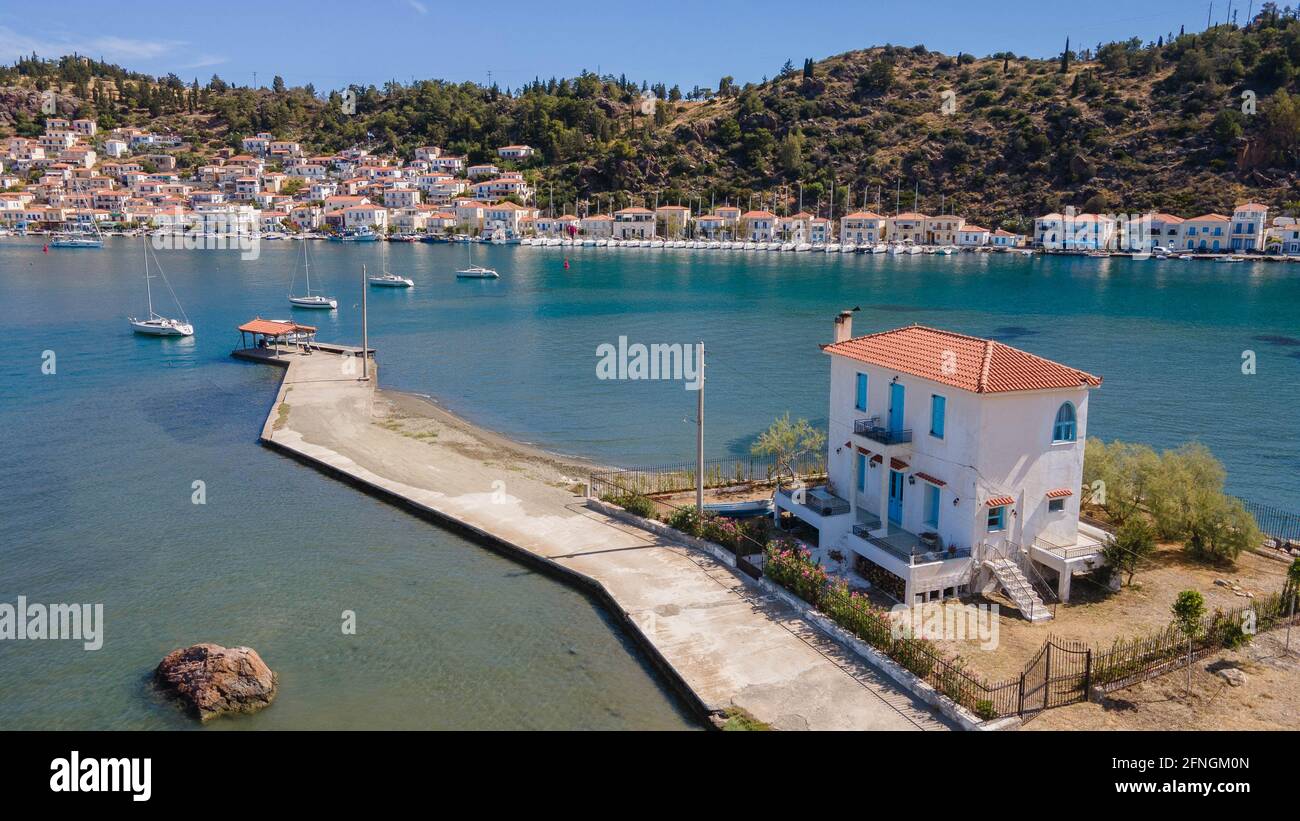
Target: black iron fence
{"type": "Point", "coordinates": [680, 477]}
{"type": "Point", "coordinates": [1280, 525]}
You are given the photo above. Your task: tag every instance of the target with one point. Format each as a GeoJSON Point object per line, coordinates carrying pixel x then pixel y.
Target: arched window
{"type": "Point", "coordinates": [1064, 429]}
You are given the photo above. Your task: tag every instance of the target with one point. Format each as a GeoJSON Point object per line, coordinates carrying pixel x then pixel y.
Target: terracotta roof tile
{"type": "Point", "coordinates": [1000, 501]}
{"type": "Point", "coordinates": [966, 362]}
{"type": "Point", "coordinates": [1059, 493]}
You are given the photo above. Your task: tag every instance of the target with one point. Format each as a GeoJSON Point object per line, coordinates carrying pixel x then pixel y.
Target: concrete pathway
{"type": "Point", "coordinates": [731, 644]}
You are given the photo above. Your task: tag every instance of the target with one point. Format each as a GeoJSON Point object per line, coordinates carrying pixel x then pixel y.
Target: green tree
{"type": "Point", "coordinates": [1188, 610]}
{"type": "Point", "coordinates": [787, 443]}
{"type": "Point", "coordinates": [1130, 547]}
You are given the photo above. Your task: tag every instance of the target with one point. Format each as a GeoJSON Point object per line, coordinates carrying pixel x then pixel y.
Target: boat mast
{"type": "Point", "coordinates": [144, 246]}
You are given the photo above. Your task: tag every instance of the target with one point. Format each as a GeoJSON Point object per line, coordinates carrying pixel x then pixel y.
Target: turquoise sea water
{"type": "Point", "coordinates": [97, 469]}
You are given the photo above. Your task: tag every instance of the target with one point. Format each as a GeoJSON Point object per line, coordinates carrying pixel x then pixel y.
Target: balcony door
{"type": "Point", "coordinates": [895, 497]}
{"type": "Point", "coordinates": [896, 397]}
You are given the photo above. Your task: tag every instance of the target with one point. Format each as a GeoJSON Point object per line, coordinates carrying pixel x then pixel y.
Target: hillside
{"type": "Point", "coordinates": [1125, 126]}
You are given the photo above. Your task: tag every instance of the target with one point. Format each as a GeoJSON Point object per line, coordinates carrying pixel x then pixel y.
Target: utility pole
{"type": "Point", "coordinates": [699, 436]}
{"type": "Point", "coordinates": [365, 335]}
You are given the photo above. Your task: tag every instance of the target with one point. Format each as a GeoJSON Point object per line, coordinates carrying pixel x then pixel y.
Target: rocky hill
{"type": "Point", "coordinates": [1187, 123]}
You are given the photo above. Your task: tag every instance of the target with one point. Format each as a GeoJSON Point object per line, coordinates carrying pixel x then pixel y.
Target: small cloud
{"type": "Point", "coordinates": [117, 49]}
{"type": "Point", "coordinates": [205, 60]}
{"type": "Point", "coordinates": [418, 6]}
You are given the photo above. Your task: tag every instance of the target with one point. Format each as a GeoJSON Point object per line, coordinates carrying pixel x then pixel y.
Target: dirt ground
{"type": "Point", "coordinates": [1097, 616]}
{"type": "Point", "coordinates": [1269, 699]}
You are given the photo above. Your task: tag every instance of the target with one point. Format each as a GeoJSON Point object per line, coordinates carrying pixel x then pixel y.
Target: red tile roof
{"type": "Point", "coordinates": [966, 362]}
{"type": "Point", "coordinates": [928, 478]}
{"type": "Point", "coordinates": [1059, 493]}
{"type": "Point", "coordinates": [1000, 501]}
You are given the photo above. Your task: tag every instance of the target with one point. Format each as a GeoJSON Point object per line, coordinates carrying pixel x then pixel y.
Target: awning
{"type": "Point", "coordinates": [270, 327]}
{"type": "Point", "coordinates": [897, 464]}
{"type": "Point", "coordinates": [928, 478]}
{"type": "Point", "coordinates": [1000, 501]}
{"type": "Point", "coordinates": [1059, 493]}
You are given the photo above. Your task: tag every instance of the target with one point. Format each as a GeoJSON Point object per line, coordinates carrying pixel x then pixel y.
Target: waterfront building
{"type": "Point", "coordinates": [1006, 239]}
{"type": "Point", "coordinates": [634, 223]}
{"type": "Point", "coordinates": [942, 230]}
{"type": "Point", "coordinates": [671, 220]}
{"type": "Point", "coordinates": [1208, 232]}
{"type": "Point", "coordinates": [906, 228]}
{"type": "Point", "coordinates": [953, 462]}
{"type": "Point", "coordinates": [1249, 223]}
{"type": "Point", "coordinates": [600, 226]}
{"type": "Point", "coordinates": [1165, 231]}
{"type": "Point", "coordinates": [758, 226]}
{"type": "Point", "coordinates": [972, 236]}
{"type": "Point", "coordinates": [862, 228]}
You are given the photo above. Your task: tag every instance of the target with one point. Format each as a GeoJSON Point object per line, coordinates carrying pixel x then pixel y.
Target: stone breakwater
{"type": "Point", "coordinates": [719, 640]}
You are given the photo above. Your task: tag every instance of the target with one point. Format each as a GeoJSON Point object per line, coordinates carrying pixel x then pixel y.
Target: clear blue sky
{"type": "Point", "coordinates": [333, 44]}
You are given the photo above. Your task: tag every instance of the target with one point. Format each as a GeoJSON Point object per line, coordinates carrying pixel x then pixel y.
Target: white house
{"type": "Point", "coordinates": [1006, 239]}
{"type": "Point", "coordinates": [972, 236]}
{"type": "Point", "coordinates": [758, 226]}
{"type": "Point", "coordinates": [1249, 223]}
{"type": "Point", "coordinates": [634, 223]}
{"type": "Point", "coordinates": [515, 152]}
{"type": "Point", "coordinates": [862, 228]}
{"type": "Point", "coordinates": [954, 464]}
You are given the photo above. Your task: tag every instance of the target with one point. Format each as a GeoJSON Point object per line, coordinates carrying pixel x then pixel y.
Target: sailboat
{"type": "Point", "coordinates": [386, 278]}
{"type": "Point", "coordinates": [156, 324]}
{"type": "Point", "coordinates": [82, 239]}
{"type": "Point", "coordinates": [309, 300]}
{"type": "Point", "coordinates": [475, 271]}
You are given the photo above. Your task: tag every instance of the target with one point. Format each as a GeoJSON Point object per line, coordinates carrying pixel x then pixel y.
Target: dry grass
{"type": "Point", "coordinates": [1098, 617]}
{"type": "Point", "coordinates": [1269, 700]}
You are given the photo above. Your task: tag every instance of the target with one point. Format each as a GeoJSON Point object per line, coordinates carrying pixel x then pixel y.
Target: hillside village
{"type": "Point", "coordinates": [86, 181]}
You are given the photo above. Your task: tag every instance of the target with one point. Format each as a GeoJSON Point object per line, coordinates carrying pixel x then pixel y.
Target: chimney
{"type": "Point", "coordinates": [844, 326]}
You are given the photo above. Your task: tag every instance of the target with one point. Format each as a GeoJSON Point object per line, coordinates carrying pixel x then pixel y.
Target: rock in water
{"type": "Point", "coordinates": [215, 680]}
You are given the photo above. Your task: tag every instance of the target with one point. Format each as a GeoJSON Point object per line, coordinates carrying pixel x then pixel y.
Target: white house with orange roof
{"type": "Point", "coordinates": [483, 170]}
{"type": "Point", "coordinates": [708, 226]}
{"type": "Point", "coordinates": [1249, 224]}
{"type": "Point", "coordinates": [634, 223]}
{"type": "Point", "coordinates": [506, 216]}
{"type": "Point", "coordinates": [972, 236]}
{"type": "Point", "coordinates": [907, 228]}
{"type": "Point", "coordinates": [671, 220]}
{"type": "Point", "coordinates": [1006, 239]}
{"type": "Point", "coordinates": [366, 216]}
{"type": "Point", "coordinates": [758, 226]}
{"type": "Point", "coordinates": [600, 226]}
{"type": "Point", "coordinates": [1208, 232]}
{"type": "Point", "coordinates": [862, 228]}
{"type": "Point", "coordinates": [955, 464]}
{"type": "Point", "coordinates": [1165, 231]}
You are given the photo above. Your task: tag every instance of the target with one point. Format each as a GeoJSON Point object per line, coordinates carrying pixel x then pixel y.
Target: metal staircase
{"type": "Point", "coordinates": [1017, 587]}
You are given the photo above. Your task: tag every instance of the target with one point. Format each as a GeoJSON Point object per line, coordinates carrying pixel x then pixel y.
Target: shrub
{"type": "Point", "coordinates": [632, 503]}
{"type": "Point", "coordinates": [793, 568]}
{"type": "Point", "coordinates": [686, 520]}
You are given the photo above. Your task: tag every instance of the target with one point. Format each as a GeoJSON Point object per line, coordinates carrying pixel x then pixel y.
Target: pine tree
{"type": "Point", "coordinates": [1065, 57]}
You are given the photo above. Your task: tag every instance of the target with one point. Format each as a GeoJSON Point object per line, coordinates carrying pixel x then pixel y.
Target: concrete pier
{"type": "Point", "coordinates": [714, 636]}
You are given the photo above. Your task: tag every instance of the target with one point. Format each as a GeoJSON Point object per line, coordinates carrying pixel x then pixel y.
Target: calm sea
{"type": "Point", "coordinates": [99, 462]}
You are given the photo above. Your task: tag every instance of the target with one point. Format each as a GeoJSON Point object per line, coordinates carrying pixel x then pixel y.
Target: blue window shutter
{"type": "Point", "coordinates": [860, 401]}
{"type": "Point", "coordinates": [938, 408]}
{"type": "Point", "coordinates": [862, 473]}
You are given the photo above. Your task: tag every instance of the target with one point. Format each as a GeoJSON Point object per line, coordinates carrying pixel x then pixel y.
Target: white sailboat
{"type": "Point", "coordinates": [156, 324]}
{"type": "Point", "coordinates": [309, 300]}
{"type": "Point", "coordinates": [475, 271]}
{"type": "Point", "coordinates": [386, 278]}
